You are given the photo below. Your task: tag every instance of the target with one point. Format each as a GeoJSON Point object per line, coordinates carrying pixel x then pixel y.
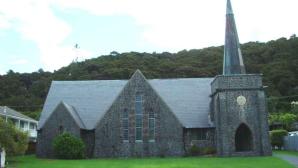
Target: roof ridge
{"type": "Point", "coordinates": [75, 110]}
{"type": "Point", "coordinates": [67, 106]}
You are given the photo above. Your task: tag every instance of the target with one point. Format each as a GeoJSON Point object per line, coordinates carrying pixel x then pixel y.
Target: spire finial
{"type": "Point", "coordinates": [229, 7]}
{"type": "Point", "coordinates": [233, 62]}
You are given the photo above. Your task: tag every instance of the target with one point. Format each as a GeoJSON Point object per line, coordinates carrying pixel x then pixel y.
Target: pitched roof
{"type": "Point", "coordinates": [91, 99]}
{"type": "Point", "coordinates": [187, 98]}
{"type": "Point", "coordinates": [4, 110]}
{"type": "Point", "coordinates": [74, 114]}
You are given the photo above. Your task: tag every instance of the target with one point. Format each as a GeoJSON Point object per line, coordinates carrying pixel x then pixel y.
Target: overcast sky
{"type": "Point", "coordinates": [42, 33]}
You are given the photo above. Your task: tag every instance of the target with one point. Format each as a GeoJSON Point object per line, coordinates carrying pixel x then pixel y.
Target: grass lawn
{"type": "Point", "coordinates": [188, 162]}
{"type": "Point", "coordinates": [286, 152]}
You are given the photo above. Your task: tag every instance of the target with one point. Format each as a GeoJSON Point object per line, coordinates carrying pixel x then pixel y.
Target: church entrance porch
{"type": "Point", "coordinates": [243, 139]}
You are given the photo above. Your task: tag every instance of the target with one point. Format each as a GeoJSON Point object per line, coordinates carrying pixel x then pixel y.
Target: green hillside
{"type": "Point", "coordinates": [277, 60]}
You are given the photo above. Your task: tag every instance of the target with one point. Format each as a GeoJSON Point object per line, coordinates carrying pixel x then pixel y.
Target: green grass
{"type": "Point", "coordinates": [287, 152]}
{"type": "Point", "coordinates": [188, 162]}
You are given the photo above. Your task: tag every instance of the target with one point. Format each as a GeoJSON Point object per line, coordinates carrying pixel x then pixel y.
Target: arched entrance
{"type": "Point", "coordinates": [243, 139]}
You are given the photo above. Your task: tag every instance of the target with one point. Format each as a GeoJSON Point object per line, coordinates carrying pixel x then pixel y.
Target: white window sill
{"type": "Point", "coordinates": [139, 141]}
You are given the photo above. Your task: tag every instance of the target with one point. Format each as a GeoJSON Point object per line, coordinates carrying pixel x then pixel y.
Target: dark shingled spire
{"type": "Point", "coordinates": [233, 62]}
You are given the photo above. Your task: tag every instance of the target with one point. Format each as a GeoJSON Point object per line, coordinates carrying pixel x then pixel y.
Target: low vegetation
{"type": "Point", "coordinates": [14, 141]}
{"type": "Point", "coordinates": [67, 146]}
{"type": "Point", "coordinates": [276, 137]}
{"type": "Point", "coordinates": [187, 162]}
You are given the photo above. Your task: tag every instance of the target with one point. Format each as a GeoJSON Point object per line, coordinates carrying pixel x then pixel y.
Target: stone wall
{"type": "Point", "coordinates": [88, 137]}
{"type": "Point", "coordinates": [60, 118]}
{"type": "Point", "coordinates": [229, 114]}
{"type": "Point", "coordinates": [209, 142]}
{"type": "Point", "coordinates": [168, 131]}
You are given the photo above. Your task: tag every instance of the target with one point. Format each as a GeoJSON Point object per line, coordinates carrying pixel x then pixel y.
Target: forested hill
{"type": "Point", "coordinates": [277, 60]}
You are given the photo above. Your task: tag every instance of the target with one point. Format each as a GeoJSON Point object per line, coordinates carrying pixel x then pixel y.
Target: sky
{"type": "Point", "coordinates": [38, 34]}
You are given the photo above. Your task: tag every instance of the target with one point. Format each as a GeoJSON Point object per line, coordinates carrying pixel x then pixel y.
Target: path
{"type": "Point", "coordinates": [289, 158]}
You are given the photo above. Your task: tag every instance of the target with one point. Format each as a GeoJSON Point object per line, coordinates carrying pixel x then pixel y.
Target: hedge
{"type": "Point", "coordinates": [66, 146]}
{"type": "Point", "coordinates": [276, 137]}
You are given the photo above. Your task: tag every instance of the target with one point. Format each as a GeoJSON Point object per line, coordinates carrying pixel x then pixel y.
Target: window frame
{"type": "Point", "coordinates": [139, 115]}
{"type": "Point", "coordinates": [125, 117]}
{"type": "Point", "coordinates": [151, 117]}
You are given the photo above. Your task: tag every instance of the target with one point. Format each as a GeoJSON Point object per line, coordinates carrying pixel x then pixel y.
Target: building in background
{"type": "Point", "coordinates": [2, 157]}
{"type": "Point", "coordinates": [21, 121]}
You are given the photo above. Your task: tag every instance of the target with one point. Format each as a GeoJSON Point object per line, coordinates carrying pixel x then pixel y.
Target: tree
{"type": "Point", "coordinates": [277, 60]}
{"type": "Point", "coordinates": [14, 141]}
{"type": "Point", "coordinates": [294, 107]}
{"type": "Point", "coordinates": [287, 120]}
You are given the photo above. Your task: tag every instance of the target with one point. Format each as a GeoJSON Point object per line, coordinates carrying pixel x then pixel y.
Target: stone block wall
{"type": "Point", "coordinates": [209, 142]}
{"type": "Point", "coordinates": [168, 130]}
{"type": "Point", "coordinates": [60, 119]}
{"type": "Point", "coordinates": [229, 114]}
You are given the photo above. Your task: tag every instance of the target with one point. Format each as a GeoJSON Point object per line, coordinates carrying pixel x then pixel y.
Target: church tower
{"type": "Point", "coordinates": [238, 104]}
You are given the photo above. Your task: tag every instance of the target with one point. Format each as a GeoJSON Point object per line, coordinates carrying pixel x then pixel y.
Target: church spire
{"type": "Point", "coordinates": [233, 62]}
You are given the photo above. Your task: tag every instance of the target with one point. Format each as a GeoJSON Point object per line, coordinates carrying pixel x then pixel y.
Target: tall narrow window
{"type": "Point", "coordinates": [151, 126]}
{"type": "Point", "coordinates": [139, 118]}
{"type": "Point", "coordinates": [61, 129]}
{"type": "Point", "coordinates": [125, 123]}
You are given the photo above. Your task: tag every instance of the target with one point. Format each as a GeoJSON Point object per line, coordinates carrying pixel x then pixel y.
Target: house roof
{"type": "Point", "coordinates": [188, 98]}
{"type": "Point", "coordinates": [4, 110]}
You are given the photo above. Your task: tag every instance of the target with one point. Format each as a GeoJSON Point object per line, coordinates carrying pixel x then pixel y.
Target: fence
{"type": "Point", "coordinates": [291, 143]}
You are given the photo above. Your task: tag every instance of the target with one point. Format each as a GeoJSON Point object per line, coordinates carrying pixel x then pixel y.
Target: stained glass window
{"type": "Point", "coordinates": [139, 117]}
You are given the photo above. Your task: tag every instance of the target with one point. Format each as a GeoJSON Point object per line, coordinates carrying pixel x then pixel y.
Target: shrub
{"type": "Point", "coordinates": [276, 137]}
{"type": "Point", "coordinates": [209, 151]}
{"type": "Point", "coordinates": [194, 150]}
{"type": "Point", "coordinates": [67, 146]}
{"type": "Point", "coordinates": [14, 141]}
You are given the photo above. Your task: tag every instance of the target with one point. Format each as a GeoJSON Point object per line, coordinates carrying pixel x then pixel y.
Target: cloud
{"type": "Point", "coordinates": [19, 62]}
{"type": "Point", "coordinates": [168, 24]}
{"type": "Point", "coordinates": [171, 25]}
{"type": "Point", "coordinates": [180, 24]}
{"type": "Point", "coordinates": [4, 24]}
{"type": "Point", "coordinates": [35, 21]}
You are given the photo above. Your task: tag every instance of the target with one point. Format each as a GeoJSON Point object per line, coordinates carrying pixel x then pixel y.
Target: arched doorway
{"type": "Point", "coordinates": [243, 139]}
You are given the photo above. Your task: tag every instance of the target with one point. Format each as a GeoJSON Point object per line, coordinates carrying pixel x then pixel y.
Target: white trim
{"type": "Point", "coordinates": [19, 118]}
{"type": "Point", "coordinates": [2, 161]}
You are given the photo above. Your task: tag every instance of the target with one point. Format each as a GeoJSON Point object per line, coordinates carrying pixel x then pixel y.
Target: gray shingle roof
{"type": "Point", "coordinates": [91, 99]}
{"type": "Point", "coordinates": [187, 98]}
{"type": "Point", "coordinates": [74, 114]}
{"type": "Point", "coordinates": [13, 113]}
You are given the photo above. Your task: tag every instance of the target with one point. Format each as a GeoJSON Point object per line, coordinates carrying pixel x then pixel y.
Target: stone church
{"type": "Point", "coordinates": [162, 117]}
